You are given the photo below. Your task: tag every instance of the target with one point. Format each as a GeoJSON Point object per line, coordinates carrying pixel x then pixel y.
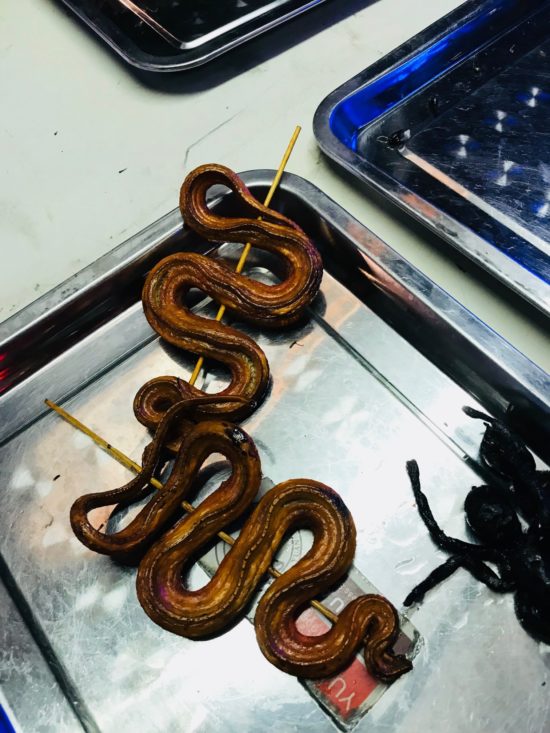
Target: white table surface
{"type": "Point", "coordinates": [91, 152]}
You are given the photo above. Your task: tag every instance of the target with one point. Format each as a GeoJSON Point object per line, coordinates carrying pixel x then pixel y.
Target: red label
{"type": "Point", "coordinates": [349, 690]}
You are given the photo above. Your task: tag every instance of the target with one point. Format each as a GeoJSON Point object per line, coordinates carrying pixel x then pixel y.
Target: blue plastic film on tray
{"type": "Point", "coordinates": [5, 724]}
{"type": "Point", "coordinates": [384, 93]}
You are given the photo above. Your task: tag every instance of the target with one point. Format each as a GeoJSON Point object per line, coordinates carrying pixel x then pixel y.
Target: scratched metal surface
{"type": "Point", "coordinates": [351, 401]}
{"type": "Point", "coordinates": [26, 677]}
{"type": "Point", "coordinates": [494, 144]}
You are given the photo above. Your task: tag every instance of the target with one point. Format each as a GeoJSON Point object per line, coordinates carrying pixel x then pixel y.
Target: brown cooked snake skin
{"type": "Point", "coordinates": [271, 306]}
{"type": "Point", "coordinates": [129, 544]}
{"type": "Point", "coordinates": [370, 621]}
{"type": "Point", "coordinates": [167, 545]}
{"type": "Point", "coordinates": [196, 426]}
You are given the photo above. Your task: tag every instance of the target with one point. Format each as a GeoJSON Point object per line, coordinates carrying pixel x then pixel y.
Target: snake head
{"type": "Point", "coordinates": [180, 417]}
{"type": "Point", "coordinates": [237, 435]}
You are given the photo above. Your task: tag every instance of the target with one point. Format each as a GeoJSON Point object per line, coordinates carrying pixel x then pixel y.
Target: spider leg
{"type": "Point", "coordinates": [443, 541]}
{"type": "Point", "coordinates": [434, 578]}
{"type": "Point", "coordinates": [480, 571]}
{"type": "Point", "coordinates": [471, 412]}
{"type": "Point", "coordinates": [533, 616]}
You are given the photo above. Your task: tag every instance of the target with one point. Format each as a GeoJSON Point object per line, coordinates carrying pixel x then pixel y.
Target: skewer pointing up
{"type": "Point", "coordinates": [248, 246]}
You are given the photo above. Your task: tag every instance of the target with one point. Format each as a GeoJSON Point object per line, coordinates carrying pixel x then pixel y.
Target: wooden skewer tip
{"type": "Point", "coordinates": [246, 251]}
{"type": "Point", "coordinates": [136, 468]}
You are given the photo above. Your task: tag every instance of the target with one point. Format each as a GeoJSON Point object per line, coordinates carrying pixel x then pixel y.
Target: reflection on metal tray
{"type": "Point", "coordinates": [182, 34]}
{"type": "Point", "coordinates": [42, 707]}
{"type": "Point", "coordinates": [378, 375]}
{"type": "Point", "coordinates": [452, 126]}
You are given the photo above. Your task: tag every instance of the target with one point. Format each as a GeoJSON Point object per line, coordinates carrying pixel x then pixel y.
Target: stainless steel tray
{"type": "Point", "coordinates": [36, 702]}
{"type": "Point", "coordinates": [378, 375]}
{"type": "Point", "coordinates": [452, 127]}
{"type": "Point", "coordinates": [183, 34]}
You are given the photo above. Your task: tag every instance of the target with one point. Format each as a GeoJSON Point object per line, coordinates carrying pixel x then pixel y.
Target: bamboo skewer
{"type": "Point", "coordinates": [136, 468]}
{"type": "Point", "coordinates": [248, 246]}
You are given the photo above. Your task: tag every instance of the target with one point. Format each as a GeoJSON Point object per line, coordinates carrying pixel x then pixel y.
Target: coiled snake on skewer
{"type": "Point", "coordinates": [196, 426]}
{"type": "Point", "coordinates": [369, 620]}
{"type": "Point", "coordinates": [272, 306]}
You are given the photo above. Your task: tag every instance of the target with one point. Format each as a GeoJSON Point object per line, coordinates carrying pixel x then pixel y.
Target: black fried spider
{"type": "Point", "coordinates": [507, 456]}
{"type": "Point", "coordinates": [521, 556]}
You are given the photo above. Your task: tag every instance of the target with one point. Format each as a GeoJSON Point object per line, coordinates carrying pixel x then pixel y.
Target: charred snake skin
{"type": "Point", "coordinates": [272, 306]}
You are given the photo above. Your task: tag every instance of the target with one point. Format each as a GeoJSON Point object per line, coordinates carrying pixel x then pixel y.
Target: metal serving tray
{"type": "Point", "coordinates": [377, 375]}
{"type": "Point", "coordinates": [180, 35]}
{"type": "Point", "coordinates": [37, 703]}
{"type": "Point", "coordinates": [452, 127]}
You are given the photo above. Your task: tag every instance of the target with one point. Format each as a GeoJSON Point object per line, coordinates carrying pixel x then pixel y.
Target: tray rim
{"type": "Point", "coordinates": [181, 59]}
{"type": "Point", "coordinates": [311, 197]}
{"type": "Point", "coordinates": [464, 239]}
{"type": "Point", "coordinates": [508, 366]}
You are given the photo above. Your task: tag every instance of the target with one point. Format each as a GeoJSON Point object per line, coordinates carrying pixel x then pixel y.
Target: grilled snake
{"type": "Point", "coordinates": [272, 306]}
{"type": "Point", "coordinates": [129, 544]}
{"type": "Point", "coordinates": [164, 545]}
{"type": "Point", "coordinates": [370, 621]}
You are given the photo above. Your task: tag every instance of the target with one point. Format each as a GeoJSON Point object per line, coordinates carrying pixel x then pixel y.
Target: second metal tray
{"type": "Point", "coordinates": [376, 376]}
{"type": "Point", "coordinates": [452, 127]}
{"type": "Point", "coordinates": [184, 34]}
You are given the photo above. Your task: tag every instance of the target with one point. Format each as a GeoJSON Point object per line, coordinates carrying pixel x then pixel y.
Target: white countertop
{"type": "Point", "coordinates": [92, 152]}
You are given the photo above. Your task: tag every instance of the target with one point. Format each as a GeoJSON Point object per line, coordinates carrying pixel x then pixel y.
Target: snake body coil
{"type": "Point", "coordinates": [129, 544]}
{"type": "Point", "coordinates": [272, 306]}
{"type": "Point", "coordinates": [301, 503]}
{"type": "Point", "coordinates": [195, 426]}
{"type": "Point", "coordinates": [165, 545]}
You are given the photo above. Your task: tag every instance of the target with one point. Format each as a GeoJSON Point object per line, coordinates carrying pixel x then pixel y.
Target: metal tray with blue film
{"type": "Point", "coordinates": [453, 127]}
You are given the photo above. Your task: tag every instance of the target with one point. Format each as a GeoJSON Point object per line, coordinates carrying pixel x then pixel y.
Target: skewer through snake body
{"type": "Point", "coordinates": [272, 306]}
{"type": "Point", "coordinates": [165, 545]}
{"type": "Point", "coordinates": [130, 543]}
{"type": "Point", "coordinates": [370, 621]}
